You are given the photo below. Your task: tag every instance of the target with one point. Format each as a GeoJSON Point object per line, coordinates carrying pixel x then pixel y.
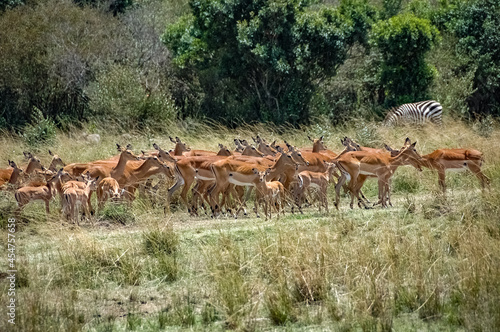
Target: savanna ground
{"type": "Point", "coordinates": [428, 263]}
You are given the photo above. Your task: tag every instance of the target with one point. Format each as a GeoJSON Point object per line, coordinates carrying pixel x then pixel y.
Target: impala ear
{"type": "Point", "coordinates": [310, 138]}
{"type": "Point", "coordinates": [255, 170]}
{"type": "Point", "coordinates": [172, 140]}
{"type": "Point", "coordinates": [177, 139]}
{"type": "Point", "coordinates": [118, 146]}
{"type": "Point", "coordinates": [407, 141]}
{"type": "Point", "coordinates": [50, 153]}
{"type": "Point", "coordinates": [268, 171]}
{"type": "Point", "coordinates": [156, 147]}
{"type": "Point", "coordinates": [128, 147]}
{"type": "Point", "coordinates": [388, 148]}
{"type": "Point", "coordinates": [321, 138]}
{"type": "Point", "coordinates": [414, 143]}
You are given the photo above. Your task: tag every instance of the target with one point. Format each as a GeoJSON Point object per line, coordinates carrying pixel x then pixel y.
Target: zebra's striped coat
{"type": "Point", "coordinates": [416, 113]}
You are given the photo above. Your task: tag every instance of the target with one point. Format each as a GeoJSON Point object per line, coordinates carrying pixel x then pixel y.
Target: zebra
{"type": "Point", "coordinates": [418, 113]}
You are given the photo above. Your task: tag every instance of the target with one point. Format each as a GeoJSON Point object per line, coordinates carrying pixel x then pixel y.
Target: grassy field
{"type": "Point", "coordinates": [429, 263]}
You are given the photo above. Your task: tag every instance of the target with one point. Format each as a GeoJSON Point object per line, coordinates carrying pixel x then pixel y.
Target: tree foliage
{"type": "Point", "coordinates": [259, 60]}
{"type": "Point", "coordinates": [63, 63]}
{"type": "Point", "coordinates": [404, 41]}
{"type": "Point", "coordinates": [477, 26]}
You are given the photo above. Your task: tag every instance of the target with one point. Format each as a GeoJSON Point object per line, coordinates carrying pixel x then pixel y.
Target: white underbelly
{"type": "Point", "coordinates": [239, 183]}
{"type": "Point", "coordinates": [203, 178]}
{"type": "Point", "coordinates": [366, 173]}
{"type": "Point", "coordinates": [461, 169]}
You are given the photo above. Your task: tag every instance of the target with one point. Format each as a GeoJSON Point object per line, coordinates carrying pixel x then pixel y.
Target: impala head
{"type": "Point", "coordinates": [350, 144]}
{"type": "Point", "coordinates": [33, 164]}
{"type": "Point", "coordinates": [180, 147]}
{"type": "Point", "coordinates": [55, 162]}
{"type": "Point", "coordinates": [266, 148]}
{"type": "Point", "coordinates": [411, 155]}
{"type": "Point", "coordinates": [318, 144]}
{"type": "Point", "coordinates": [13, 165]}
{"type": "Point", "coordinates": [297, 157]}
{"type": "Point", "coordinates": [262, 174]}
{"type": "Point", "coordinates": [393, 152]}
{"type": "Point", "coordinates": [164, 155]}
{"type": "Point", "coordinates": [223, 151]}
{"type": "Point", "coordinates": [167, 170]}
{"type": "Point", "coordinates": [244, 142]}
{"type": "Point", "coordinates": [251, 151]}
{"type": "Point", "coordinates": [153, 161]}
{"type": "Point", "coordinates": [127, 152]}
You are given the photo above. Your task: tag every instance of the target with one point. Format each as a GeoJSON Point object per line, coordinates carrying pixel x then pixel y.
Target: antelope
{"type": "Point", "coordinates": [76, 169]}
{"type": "Point", "coordinates": [15, 174]}
{"type": "Point", "coordinates": [198, 168]}
{"type": "Point", "coordinates": [24, 195]}
{"type": "Point", "coordinates": [55, 162]}
{"type": "Point", "coordinates": [106, 189]}
{"type": "Point", "coordinates": [272, 193]}
{"type": "Point", "coordinates": [314, 180]}
{"type": "Point", "coordinates": [75, 197]}
{"type": "Point", "coordinates": [240, 172]}
{"type": "Point", "coordinates": [442, 160]}
{"type": "Point", "coordinates": [113, 168]}
{"type": "Point", "coordinates": [383, 166]}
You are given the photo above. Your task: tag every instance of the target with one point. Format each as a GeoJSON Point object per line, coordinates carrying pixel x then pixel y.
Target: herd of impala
{"type": "Point", "coordinates": [223, 181]}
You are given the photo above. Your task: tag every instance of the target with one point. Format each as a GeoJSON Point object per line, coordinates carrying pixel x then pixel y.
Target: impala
{"type": "Point", "coordinates": [113, 168]}
{"type": "Point", "coordinates": [108, 188]}
{"type": "Point", "coordinates": [383, 166]}
{"type": "Point", "coordinates": [14, 176]}
{"type": "Point", "coordinates": [55, 162]}
{"type": "Point", "coordinates": [271, 193]}
{"type": "Point", "coordinates": [76, 169]}
{"type": "Point", "coordinates": [75, 197]}
{"type": "Point", "coordinates": [442, 160]}
{"type": "Point", "coordinates": [240, 172]}
{"type": "Point", "coordinates": [33, 165]}
{"type": "Point", "coordinates": [319, 181]}
{"type": "Point", "coordinates": [24, 195]}
{"type": "Point", "coordinates": [198, 168]}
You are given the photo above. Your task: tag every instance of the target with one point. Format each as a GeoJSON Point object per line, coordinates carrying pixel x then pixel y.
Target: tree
{"type": "Point", "coordinates": [259, 60]}
{"type": "Point", "coordinates": [404, 41]}
{"type": "Point", "coordinates": [477, 26]}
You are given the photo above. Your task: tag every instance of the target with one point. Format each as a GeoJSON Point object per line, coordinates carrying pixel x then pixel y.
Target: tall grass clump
{"type": "Point", "coordinates": [161, 244]}
{"type": "Point", "coordinates": [41, 130]}
{"type": "Point", "coordinates": [226, 262]}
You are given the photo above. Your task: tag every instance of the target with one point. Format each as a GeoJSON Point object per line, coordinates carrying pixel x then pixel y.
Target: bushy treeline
{"type": "Point", "coordinates": [141, 64]}
{"type": "Point", "coordinates": [72, 62]}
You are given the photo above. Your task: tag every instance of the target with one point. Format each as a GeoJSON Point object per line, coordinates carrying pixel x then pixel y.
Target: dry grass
{"type": "Point", "coordinates": [428, 263]}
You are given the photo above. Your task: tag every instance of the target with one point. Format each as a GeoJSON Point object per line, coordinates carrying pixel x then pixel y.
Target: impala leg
{"type": "Point", "coordinates": [47, 206]}
{"type": "Point", "coordinates": [476, 170]}
{"type": "Point", "coordinates": [339, 185]}
{"type": "Point", "coordinates": [441, 180]}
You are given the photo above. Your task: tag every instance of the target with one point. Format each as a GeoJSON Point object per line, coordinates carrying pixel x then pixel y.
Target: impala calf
{"type": "Point", "coordinates": [271, 193]}
{"type": "Point", "coordinates": [108, 188]}
{"type": "Point", "coordinates": [318, 181]}
{"type": "Point", "coordinates": [75, 197]}
{"type": "Point", "coordinates": [24, 195]}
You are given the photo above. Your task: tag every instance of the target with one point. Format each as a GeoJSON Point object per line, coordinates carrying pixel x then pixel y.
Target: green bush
{"type": "Point", "coordinates": [248, 74]}
{"type": "Point", "coordinates": [118, 97]}
{"type": "Point", "coordinates": [41, 130]}
{"type": "Point", "coordinates": [404, 40]}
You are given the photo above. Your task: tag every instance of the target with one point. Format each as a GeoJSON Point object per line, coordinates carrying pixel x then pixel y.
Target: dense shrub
{"type": "Point", "coordinates": [249, 74]}
{"type": "Point", "coordinates": [51, 60]}
{"type": "Point", "coordinates": [404, 41]}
